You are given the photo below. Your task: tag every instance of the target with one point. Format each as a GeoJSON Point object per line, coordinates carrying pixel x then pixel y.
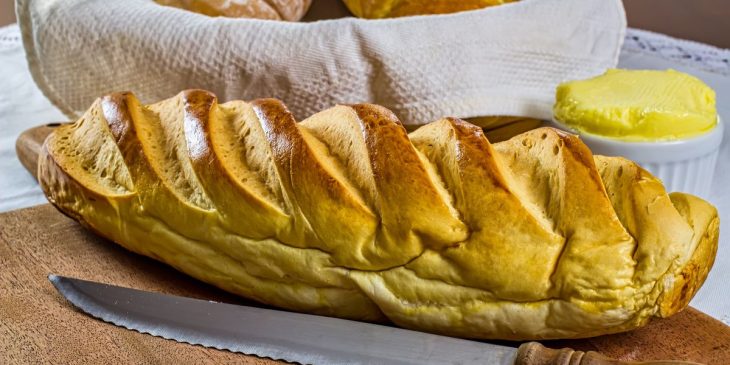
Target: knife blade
{"type": "Point", "coordinates": [294, 337]}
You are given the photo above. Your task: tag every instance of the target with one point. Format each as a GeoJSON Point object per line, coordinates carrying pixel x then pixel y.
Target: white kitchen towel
{"type": "Point", "coordinates": [503, 60]}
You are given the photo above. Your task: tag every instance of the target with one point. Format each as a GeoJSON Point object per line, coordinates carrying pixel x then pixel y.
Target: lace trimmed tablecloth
{"type": "Point", "coordinates": [22, 106]}
{"type": "Point", "coordinates": [691, 54]}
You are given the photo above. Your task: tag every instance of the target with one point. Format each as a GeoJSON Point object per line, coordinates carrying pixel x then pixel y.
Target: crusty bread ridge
{"type": "Point", "coordinates": [345, 214]}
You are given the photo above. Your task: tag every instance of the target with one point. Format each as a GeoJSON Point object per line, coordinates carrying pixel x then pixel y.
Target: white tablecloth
{"type": "Point", "coordinates": [22, 106]}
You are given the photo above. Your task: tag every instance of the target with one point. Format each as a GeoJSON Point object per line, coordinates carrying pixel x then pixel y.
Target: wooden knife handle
{"type": "Point", "coordinates": [533, 353]}
{"type": "Point", "coordinates": [29, 144]}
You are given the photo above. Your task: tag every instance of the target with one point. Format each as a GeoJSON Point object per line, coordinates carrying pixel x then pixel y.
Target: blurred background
{"type": "Point", "coordinates": [706, 21]}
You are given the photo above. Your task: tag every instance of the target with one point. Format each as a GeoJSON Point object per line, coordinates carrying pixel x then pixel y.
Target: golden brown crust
{"type": "Point", "coordinates": [345, 214]}
{"type": "Point", "coordinates": [291, 10]}
{"type": "Point", "coordinates": [406, 191]}
{"type": "Point", "coordinates": [706, 233]}
{"type": "Point", "coordinates": [218, 180]}
{"type": "Point", "coordinates": [398, 8]}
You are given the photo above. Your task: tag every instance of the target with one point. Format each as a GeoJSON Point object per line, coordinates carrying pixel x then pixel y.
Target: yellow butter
{"type": "Point", "coordinates": [638, 105]}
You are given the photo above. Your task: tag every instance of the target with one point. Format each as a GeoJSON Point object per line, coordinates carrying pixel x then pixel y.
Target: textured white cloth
{"type": "Point", "coordinates": [21, 106]}
{"type": "Point", "coordinates": [504, 60]}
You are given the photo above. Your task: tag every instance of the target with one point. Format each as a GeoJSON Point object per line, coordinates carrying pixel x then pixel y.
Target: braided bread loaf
{"type": "Point", "coordinates": [346, 215]}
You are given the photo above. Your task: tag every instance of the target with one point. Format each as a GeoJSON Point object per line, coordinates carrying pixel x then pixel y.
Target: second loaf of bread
{"type": "Point", "coordinates": [346, 215]}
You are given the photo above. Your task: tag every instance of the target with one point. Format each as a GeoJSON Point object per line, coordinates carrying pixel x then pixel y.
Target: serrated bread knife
{"type": "Point", "coordinates": [294, 337]}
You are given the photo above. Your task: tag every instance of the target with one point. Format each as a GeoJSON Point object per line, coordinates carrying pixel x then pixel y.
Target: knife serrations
{"type": "Point", "coordinates": [279, 335]}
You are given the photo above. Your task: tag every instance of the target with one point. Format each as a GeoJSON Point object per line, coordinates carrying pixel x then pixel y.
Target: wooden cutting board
{"type": "Point", "coordinates": [37, 325]}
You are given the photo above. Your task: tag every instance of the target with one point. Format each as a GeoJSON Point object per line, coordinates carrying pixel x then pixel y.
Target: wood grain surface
{"type": "Point", "coordinates": [29, 144]}
{"type": "Point", "coordinates": [37, 325]}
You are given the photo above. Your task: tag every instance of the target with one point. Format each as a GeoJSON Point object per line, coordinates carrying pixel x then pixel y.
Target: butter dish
{"type": "Point", "coordinates": [666, 121]}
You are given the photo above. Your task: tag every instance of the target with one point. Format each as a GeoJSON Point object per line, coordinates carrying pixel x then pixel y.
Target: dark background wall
{"type": "Point", "coordinates": [7, 13]}
{"type": "Point", "coordinates": [705, 21]}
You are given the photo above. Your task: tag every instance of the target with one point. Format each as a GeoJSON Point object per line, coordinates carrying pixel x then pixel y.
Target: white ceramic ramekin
{"type": "Point", "coordinates": [685, 165]}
